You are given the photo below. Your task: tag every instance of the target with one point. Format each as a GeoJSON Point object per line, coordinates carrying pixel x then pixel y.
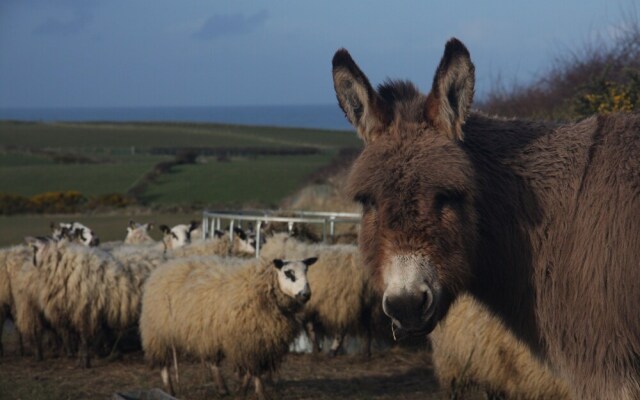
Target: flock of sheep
{"type": "Point", "coordinates": [212, 300]}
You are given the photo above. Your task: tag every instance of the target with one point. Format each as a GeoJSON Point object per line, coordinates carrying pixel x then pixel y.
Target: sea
{"type": "Point", "coordinates": [327, 116]}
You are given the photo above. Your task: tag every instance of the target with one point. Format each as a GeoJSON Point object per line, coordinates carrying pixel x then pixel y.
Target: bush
{"type": "Point", "coordinates": [111, 200]}
{"type": "Point", "coordinates": [604, 96]}
{"type": "Point", "coordinates": [57, 202]}
{"type": "Point", "coordinates": [600, 78]}
{"type": "Point", "coordinates": [13, 204]}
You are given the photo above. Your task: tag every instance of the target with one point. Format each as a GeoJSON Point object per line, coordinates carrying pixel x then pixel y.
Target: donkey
{"type": "Point", "coordinates": [538, 221]}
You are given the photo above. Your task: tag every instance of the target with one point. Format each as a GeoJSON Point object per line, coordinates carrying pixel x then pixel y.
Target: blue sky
{"type": "Point", "coordinates": [67, 53]}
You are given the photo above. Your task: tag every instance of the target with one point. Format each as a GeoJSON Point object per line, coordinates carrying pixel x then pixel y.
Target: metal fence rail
{"type": "Point", "coordinates": [212, 220]}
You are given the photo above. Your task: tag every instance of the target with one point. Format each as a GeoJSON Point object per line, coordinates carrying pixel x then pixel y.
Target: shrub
{"type": "Point", "coordinates": [13, 204]}
{"type": "Point", "coordinates": [57, 202]}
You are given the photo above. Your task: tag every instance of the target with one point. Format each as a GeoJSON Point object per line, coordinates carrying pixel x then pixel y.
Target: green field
{"type": "Point", "coordinates": [263, 180]}
{"type": "Point", "coordinates": [107, 137]}
{"type": "Point", "coordinates": [113, 157]}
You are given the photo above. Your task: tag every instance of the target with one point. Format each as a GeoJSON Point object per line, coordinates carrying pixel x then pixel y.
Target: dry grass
{"type": "Point", "coordinates": [393, 374]}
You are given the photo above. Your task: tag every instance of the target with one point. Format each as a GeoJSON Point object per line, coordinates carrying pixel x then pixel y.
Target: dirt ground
{"type": "Point", "coordinates": [398, 373]}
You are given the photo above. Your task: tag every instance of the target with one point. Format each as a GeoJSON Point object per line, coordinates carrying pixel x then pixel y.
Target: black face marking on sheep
{"type": "Point", "coordinates": [290, 275]}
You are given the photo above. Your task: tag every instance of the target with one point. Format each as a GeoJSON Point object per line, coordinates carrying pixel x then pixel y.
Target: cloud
{"type": "Point", "coordinates": [81, 15]}
{"type": "Point", "coordinates": [230, 25]}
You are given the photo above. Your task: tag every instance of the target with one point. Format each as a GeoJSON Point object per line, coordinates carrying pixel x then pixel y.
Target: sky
{"type": "Point", "coordinates": [124, 53]}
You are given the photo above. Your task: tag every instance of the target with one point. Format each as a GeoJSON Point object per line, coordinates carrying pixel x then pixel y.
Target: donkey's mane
{"type": "Point", "coordinates": [403, 97]}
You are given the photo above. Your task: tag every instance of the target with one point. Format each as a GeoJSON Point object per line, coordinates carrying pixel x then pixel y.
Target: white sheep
{"type": "Point", "coordinates": [11, 261]}
{"type": "Point", "coordinates": [82, 290]}
{"type": "Point", "coordinates": [201, 307]}
{"type": "Point", "coordinates": [343, 298]}
{"type": "Point", "coordinates": [473, 347]}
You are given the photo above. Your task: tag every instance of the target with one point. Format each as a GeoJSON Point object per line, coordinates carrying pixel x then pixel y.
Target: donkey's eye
{"type": "Point", "coordinates": [290, 275]}
{"type": "Point", "coordinates": [451, 198]}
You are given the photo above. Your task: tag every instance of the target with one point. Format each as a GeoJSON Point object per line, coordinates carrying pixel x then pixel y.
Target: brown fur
{"type": "Point", "coordinates": [540, 222]}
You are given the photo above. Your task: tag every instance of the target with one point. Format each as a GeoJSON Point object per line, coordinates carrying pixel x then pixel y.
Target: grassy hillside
{"type": "Point", "coordinates": [101, 158]}
{"type": "Point", "coordinates": [97, 137]}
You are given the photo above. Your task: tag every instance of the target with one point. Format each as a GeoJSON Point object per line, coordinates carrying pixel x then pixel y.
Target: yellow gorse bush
{"type": "Point", "coordinates": [605, 96]}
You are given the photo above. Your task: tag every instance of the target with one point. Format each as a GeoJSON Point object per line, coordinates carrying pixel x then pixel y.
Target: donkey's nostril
{"type": "Point", "coordinates": [407, 309]}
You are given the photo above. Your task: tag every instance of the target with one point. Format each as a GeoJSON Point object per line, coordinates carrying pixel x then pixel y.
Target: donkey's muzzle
{"type": "Point", "coordinates": [408, 312]}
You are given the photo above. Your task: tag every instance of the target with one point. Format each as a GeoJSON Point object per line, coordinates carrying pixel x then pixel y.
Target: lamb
{"type": "Point", "coordinates": [75, 231]}
{"type": "Point", "coordinates": [343, 298]}
{"type": "Point", "coordinates": [82, 290]}
{"type": "Point", "coordinates": [201, 307]}
{"type": "Point", "coordinates": [11, 260]}
{"type": "Point", "coordinates": [471, 346]}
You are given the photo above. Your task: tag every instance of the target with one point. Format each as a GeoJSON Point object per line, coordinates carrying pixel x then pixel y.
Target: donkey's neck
{"type": "Point", "coordinates": [527, 174]}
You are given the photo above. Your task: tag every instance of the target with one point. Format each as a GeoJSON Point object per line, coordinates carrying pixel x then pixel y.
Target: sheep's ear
{"type": "Point", "coordinates": [193, 225]}
{"type": "Point", "coordinates": [218, 233]}
{"type": "Point", "coordinates": [132, 224]}
{"type": "Point", "coordinates": [78, 233]}
{"type": "Point", "coordinates": [240, 233]}
{"type": "Point", "coordinates": [310, 261]}
{"type": "Point", "coordinates": [451, 95]}
{"type": "Point", "coordinates": [31, 241]}
{"type": "Point", "coordinates": [164, 229]}
{"type": "Point", "coordinates": [278, 263]}
{"type": "Point", "coordinates": [150, 226]}
{"type": "Point", "coordinates": [362, 105]}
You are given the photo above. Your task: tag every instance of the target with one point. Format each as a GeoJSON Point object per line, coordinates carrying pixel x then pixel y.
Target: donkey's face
{"type": "Point", "coordinates": [415, 184]}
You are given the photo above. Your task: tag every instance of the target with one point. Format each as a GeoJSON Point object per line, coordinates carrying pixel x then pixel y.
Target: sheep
{"type": "Point", "coordinates": [471, 346]}
{"type": "Point", "coordinates": [82, 289]}
{"type": "Point", "coordinates": [219, 245]}
{"type": "Point", "coordinates": [245, 314]}
{"type": "Point", "coordinates": [75, 231]}
{"type": "Point", "coordinates": [179, 235]}
{"type": "Point", "coordinates": [139, 233]}
{"type": "Point", "coordinates": [343, 298]}
{"type": "Point", "coordinates": [11, 260]}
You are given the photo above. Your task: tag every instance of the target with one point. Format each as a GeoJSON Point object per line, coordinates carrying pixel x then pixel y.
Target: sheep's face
{"type": "Point", "coordinates": [138, 233]}
{"type": "Point", "coordinates": [244, 246]}
{"type": "Point", "coordinates": [244, 242]}
{"type": "Point", "coordinates": [178, 236]}
{"type": "Point", "coordinates": [75, 232]}
{"type": "Point", "coordinates": [292, 278]}
{"type": "Point", "coordinates": [86, 236]}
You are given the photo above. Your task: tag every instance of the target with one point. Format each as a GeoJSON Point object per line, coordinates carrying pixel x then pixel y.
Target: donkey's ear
{"type": "Point", "coordinates": [362, 106]}
{"type": "Point", "coordinates": [452, 93]}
